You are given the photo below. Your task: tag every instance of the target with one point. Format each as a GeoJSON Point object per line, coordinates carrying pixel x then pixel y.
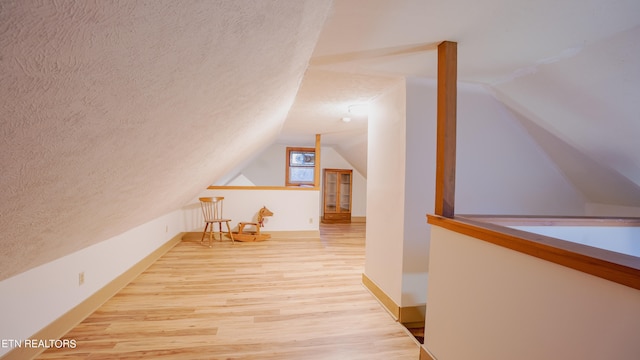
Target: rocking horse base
{"type": "Point", "coordinates": [250, 237]}
{"type": "Point", "coordinates": [242, 235]}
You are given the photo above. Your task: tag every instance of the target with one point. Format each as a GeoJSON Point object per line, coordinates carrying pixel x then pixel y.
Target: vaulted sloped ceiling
{"type": "Point", "coordinates": [568, 70]}
{"type": "Point", "coordinates": [584, 111]}
{"type": "Point", "coordinates": [115, 113]}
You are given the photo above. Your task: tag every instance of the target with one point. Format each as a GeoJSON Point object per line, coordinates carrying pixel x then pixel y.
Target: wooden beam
{"type": "Point", "coordinates": [316, 171]}
{"type": "Point", "coordinates": [446, 141]}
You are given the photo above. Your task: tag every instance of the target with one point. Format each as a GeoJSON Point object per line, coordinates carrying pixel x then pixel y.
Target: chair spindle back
{"type": "Point", "coordinates": [211, 207]}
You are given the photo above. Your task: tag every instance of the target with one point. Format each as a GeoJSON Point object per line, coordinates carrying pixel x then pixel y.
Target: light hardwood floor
{"type": "Point", "coordinates": [284, 298]}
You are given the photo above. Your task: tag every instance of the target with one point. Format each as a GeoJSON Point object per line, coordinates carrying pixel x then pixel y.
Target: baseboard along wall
{"type": "Point", "coordinates": [425, 354]}
{"type": "Point", "coordinates": [75, 316]}
{"type": "Point", "coordinates": [313, 234]}
{"type": "Point", "coordinates": [410, 316]}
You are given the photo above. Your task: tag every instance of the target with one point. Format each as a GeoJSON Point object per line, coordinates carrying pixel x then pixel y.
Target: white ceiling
{"type": "Point", "coordinates": [558, 65]}
{"type": "Point", "coordinates": [106, 105]}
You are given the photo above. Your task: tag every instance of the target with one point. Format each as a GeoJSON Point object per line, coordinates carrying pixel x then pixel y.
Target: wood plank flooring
{"type": "Point", "coordinates": [284, 298]}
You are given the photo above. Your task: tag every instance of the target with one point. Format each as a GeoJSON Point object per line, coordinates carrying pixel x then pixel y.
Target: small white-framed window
{"type": "Point", "coordinates": [300, 166]}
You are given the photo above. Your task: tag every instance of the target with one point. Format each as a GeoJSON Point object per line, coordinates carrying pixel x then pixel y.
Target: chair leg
{"type": "Point", "coordinates": [210, 234]}
{"type": "Point", "coordinates": [233, 241]}
{"type": "Point", "coordinates": [204, 232]}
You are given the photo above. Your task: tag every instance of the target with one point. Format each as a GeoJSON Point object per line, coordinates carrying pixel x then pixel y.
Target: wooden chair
{"type": "Point", "coordinates": [212, 212]}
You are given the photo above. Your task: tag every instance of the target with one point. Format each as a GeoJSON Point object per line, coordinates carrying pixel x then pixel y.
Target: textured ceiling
{"type": "Point", "coordinates": [107, 105]}
{"type": "Point", "coordinates": [104, 105]}
{"type": "Point", "coordinates": [568, 69]}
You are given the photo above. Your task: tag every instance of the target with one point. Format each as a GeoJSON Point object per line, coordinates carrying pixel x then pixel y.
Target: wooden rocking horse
{"type": "Point", "coordinates": [255, 235]}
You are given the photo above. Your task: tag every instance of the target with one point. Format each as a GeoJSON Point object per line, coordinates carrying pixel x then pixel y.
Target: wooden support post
{"type": "Point", "coordinates": [446, 141]}
{"type": "Point", "coordinates": [316, 170]}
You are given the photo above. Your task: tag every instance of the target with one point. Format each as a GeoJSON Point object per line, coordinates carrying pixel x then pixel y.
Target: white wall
{"type": "Point", "coordinates": [33, 299]}
{"type": "Point", "coordinates": [502, 304]}
{"type": "Point", "coordinates": [268, 169]}
{"type": "Point", "coordinates": [293, 210]}
{"type": "Point", "coordinates": [386, 192]}
{"type": "Point", "coordinates": [419, 194]}
{"type": "Point", "coordinates": [500, 170]}
{"type": "Point", "coordinates": [240, 180]}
